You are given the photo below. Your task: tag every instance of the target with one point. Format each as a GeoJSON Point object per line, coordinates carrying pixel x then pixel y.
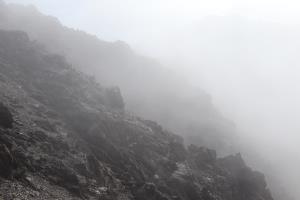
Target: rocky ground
{"type": "Point", "coordinates": [64, 136]}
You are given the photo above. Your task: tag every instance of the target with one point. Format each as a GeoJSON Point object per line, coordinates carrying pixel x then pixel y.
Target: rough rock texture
{"type": "Point", "coordinates": [71, 139]}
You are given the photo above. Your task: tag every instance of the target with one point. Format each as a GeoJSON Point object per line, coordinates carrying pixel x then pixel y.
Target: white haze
{"type": "Point", "coordinates": [245, 53]}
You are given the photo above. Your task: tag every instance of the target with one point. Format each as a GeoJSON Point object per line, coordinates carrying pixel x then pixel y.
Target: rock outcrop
{"type": "Point", "coordinates": [67, 137]}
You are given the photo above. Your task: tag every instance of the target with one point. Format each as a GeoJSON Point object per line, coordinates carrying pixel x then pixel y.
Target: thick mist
{"type": "Point", "coordinates": [251, 68]}
{"type": "Point", "coordinates": [245, 55]}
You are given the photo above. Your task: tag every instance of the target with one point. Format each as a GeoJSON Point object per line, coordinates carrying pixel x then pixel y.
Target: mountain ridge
{"type": "Point", "coordinates": [149, 90]}
{"type": "Point", "coordinates": [68, 137]}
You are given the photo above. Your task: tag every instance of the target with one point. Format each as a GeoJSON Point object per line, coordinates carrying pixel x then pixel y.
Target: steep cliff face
{"type": "Point", "coordinates": [64, 136]}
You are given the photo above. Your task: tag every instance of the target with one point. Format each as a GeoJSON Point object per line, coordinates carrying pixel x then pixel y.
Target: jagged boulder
{"type": "Point", "coordinates": [114, 98]}
{"type": "Point", "coordinates": [233, 163]}
{"type": "Point", "coordinates": [250, 184]}
{"type": "Point", "coordinates": [203, 155]}
{"type": "Point", "coordinates": [150, 192]}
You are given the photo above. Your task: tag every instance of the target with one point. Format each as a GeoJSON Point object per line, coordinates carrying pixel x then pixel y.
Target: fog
{"type": "Point", "coordinates": [244, 53]}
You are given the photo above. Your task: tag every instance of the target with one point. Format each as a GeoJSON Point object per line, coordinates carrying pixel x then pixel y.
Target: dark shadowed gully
{"type": "Point", "coordinates": [64, 136]}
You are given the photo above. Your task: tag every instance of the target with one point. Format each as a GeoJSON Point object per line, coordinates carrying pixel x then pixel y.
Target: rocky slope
{"type": "Point", "coordinates": [64, 136]}
{"type": "Point", "coordinates": [149, 89]}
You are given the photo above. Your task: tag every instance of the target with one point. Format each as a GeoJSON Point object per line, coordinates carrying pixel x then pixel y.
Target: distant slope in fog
{"type": "Point", "coordinates": [149, 90]}
{"type": "Point", "coordinates": [251, 68]}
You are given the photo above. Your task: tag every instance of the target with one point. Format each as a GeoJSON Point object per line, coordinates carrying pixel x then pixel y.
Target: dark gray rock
{"type": "Point", "coordinates": [6, 162]}
{"type": "Point", "coordinates": [6, 118]}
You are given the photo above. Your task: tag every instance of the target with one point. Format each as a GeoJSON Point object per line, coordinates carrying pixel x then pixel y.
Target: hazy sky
{"type": "Point", "coordinates": [146, 24]}
{"type": "Point", "coordinates": [130, 19]}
